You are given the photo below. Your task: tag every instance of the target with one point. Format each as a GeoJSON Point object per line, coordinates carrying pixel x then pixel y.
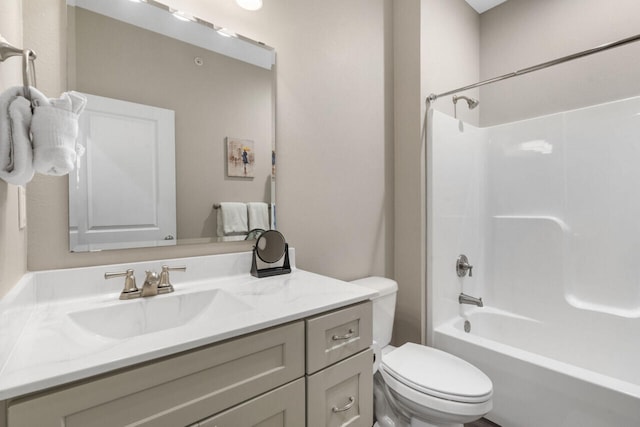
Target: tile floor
{"type": "Point", "coordinates": [482, 423]}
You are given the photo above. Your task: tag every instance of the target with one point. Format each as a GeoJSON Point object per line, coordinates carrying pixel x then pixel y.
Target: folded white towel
{"type": "Point", "coordinates": [232, 219]}
{"type": "Point", "coordinates": [16, 155]}
{"type": "Point", "coordinates": [55, 129]}
{"type": "Point", "coordinates": [258, 215]}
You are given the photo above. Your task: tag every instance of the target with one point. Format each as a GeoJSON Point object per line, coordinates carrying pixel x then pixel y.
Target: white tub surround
{"type": "Point", "coordinates": [546, 211]}
{"type": "Point", "coordinates": [52, 333]}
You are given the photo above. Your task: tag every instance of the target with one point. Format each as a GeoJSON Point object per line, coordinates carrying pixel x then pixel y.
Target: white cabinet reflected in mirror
{"type": "Point", "coordinates": [145, 73]}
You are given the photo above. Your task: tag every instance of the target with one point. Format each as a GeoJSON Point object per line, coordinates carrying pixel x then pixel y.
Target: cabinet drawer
{"type": "Point", "coordinates": [282, 407]}
{"type": "Point", "coordinates": [334, 336]}
{"type": "Point", "coordinates": [174, 391]}
{"type": "Point", "coordinates": [342, 394]}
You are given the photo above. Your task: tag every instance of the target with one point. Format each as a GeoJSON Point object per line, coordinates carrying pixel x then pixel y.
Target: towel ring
{"type": "Point", "coordinates": [28, 72]}
{"type": "Point", "coordinates": [28, 64]}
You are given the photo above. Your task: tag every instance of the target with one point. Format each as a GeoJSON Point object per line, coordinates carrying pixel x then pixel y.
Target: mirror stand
{"type": "Point", "coordinates": [270, 247]}
{"type": "Point", "coordinates": [271, 271]}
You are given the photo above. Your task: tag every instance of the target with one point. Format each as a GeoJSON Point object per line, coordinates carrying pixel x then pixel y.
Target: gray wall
{"type": "Point", "coordinates": [13, 241]}
{"type": "Point", "coordinates": [450, 59]}
{"type": "Point", "coordinates": [522, 33]}
{"type": "Point", "coordinates": [334, 135]}
{"type": "Point", "coordinates": [222, 98]}
{"type": "Point", "coordinates": [435, 49]}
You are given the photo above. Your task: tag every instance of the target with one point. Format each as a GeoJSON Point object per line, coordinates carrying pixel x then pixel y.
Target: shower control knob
{"type": "Point", "coordinates": [462, 266]}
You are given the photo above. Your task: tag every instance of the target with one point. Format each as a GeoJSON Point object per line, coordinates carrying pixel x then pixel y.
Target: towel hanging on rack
{"type": "Point", "coordinates": [16, 155]}
{"type": "Point", "coordinates": [55, 130]}
{"type": "Point", "coordinates": [52, 124]}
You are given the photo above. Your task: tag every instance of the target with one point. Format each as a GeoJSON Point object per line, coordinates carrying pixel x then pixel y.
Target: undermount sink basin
{"type": "Point", "coordinates": [146, 315]}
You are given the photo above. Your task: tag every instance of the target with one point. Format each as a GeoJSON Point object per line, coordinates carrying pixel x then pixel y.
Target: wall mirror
{"type": "Point", "coordinates": [180, 121]}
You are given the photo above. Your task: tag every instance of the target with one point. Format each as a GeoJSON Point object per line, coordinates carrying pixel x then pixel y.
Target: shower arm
{"type": "Point", "coordinates": [471, 103]}
{"type": "Point", "coordinates": [433, 97]}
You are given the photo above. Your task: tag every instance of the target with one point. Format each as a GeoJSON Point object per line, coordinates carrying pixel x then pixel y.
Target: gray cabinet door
{"type": "Point", "coordinates": [282, 407]}
{"type": "Point", "coordinates": [342, 394]}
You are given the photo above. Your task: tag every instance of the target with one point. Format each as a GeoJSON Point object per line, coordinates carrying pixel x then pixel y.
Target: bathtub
{"type": "Point", "coordinates": [542, 375]}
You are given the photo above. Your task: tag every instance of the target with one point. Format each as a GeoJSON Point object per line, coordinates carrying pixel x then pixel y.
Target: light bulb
{"type": "Point", "coordinates": [250, 4]}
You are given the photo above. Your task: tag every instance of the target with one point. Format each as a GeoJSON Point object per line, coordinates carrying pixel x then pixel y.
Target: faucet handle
{"type": "Point", "coordinates": [151, 277]}
{"type": "Point", "coordinates": [462, 265]}
{"type": "Point", "coordinates": [130, 289]}
{"type": "Point", "coordinates": [165, 285]}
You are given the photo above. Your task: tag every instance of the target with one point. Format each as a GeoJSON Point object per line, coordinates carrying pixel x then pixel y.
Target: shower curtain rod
{"type": "Point", "coordinates": [432, 97]}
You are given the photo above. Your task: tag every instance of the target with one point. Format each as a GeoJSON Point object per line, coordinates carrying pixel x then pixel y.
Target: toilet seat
{"type": "Point", "coordinates": [435, 409]}
{"type": "Point", "coordinates": [417, 370]}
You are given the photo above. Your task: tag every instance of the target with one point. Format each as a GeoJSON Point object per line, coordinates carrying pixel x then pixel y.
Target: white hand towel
{"type": "Point", "coordinates": [258, 215]}
{"type": "Point", "coordinates": [232, 219]}
{"type": "Point", "coordinates": [16, 155]}
{"type": "Point", "coordinates": [55, 129]}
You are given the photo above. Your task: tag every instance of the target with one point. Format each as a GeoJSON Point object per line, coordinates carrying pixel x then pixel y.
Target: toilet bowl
{"type": "Point", "coordinates": [421, 386]}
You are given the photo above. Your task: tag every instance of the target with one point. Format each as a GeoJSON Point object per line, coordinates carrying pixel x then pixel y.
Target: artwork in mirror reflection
{"type": "Point", "coordinates": [156, 128]}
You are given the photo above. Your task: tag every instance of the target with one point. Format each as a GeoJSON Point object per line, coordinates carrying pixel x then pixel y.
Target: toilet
{"type": "Point", "coordinates": [416, 385]}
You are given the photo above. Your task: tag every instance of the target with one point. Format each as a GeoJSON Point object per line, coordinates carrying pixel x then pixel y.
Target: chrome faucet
{"type": "Point", "coordinates": [154, 283]}
{"type": "Point", "coordinates": [468, 299]}
{"type": "Point", "coordinates": [150, 285]}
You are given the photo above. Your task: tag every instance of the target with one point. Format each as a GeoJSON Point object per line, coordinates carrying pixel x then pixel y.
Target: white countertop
{"type": "Point", "coordinates": [41, 346]}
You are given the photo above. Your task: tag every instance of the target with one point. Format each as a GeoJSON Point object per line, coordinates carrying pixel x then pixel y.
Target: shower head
{"type": "Point", "coordinates": [471, 102]}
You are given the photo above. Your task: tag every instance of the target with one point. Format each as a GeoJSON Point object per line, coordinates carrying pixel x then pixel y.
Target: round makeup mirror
{"type": "Point", "coordinates": [270, 246]}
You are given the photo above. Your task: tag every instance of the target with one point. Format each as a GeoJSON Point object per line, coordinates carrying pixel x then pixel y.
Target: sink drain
{"type": "Point", "coordinates": [467, 326]}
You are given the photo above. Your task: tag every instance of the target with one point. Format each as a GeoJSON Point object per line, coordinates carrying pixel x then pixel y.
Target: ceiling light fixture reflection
{"type": "Point", "coordinates": [182, 16]}
{"type": "Point", "coordinates": [225, 33]}
{"type": "Point", "coordinates": [250, 4]}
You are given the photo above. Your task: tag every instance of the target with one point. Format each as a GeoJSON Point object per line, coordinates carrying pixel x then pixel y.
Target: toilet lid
{"type": "Point", "coordinates": [437, 373]}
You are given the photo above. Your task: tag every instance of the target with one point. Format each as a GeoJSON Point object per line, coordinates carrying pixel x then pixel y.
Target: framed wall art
{"type": "Point", "coordinates": [240, 158]}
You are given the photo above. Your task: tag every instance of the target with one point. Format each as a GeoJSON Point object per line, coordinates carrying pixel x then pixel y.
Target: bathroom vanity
{"type": "Point", "coordinates": [225, 349]}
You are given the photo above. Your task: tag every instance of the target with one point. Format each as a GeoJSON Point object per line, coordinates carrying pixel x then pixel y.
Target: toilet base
{"type": "Point", "coordinates": [390, 412]}
{"type": "Point", "coordinates": [419, 423]}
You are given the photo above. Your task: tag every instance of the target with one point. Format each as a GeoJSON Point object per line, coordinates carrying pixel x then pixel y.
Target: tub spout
{"type": "Point", "coordinates": [467, 299]}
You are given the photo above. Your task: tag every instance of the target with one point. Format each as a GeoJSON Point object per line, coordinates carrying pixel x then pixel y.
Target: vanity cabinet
{"type": "Point", "coordinates": [174, 391]}
{"type": "Point", "coordinates": [339, 368]}
{"type": "Point", "coordinates": [315, 371]}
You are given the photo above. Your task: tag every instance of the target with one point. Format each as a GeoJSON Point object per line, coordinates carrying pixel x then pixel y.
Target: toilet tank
{"type": "Point", "coordinates": [384, 307]}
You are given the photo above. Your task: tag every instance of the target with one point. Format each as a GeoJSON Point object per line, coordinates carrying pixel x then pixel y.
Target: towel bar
{"type": "Point", "coordinates": [217, 206]}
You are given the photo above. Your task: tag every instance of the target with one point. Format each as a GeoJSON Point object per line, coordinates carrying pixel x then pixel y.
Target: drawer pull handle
{"type": "Point", "coordinates": [352, 401]}
{"type": "Point", "coordinates": [348, 335]}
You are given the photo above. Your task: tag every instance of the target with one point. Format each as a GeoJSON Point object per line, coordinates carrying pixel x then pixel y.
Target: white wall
{"type": "Point", "coordinates": [13, 244]}
{"type": "Point", "coordinates": [333, 132]}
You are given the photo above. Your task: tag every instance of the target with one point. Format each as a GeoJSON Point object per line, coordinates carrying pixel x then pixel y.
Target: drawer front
{"type": "Point", "coordinates": [337, 335]}
{"type": "Point", "coordinates": [174, 391]}
{"type": "Point", "coordinates": [342, 394]}
{"type": "Point", "coordinates": [282, 407]}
